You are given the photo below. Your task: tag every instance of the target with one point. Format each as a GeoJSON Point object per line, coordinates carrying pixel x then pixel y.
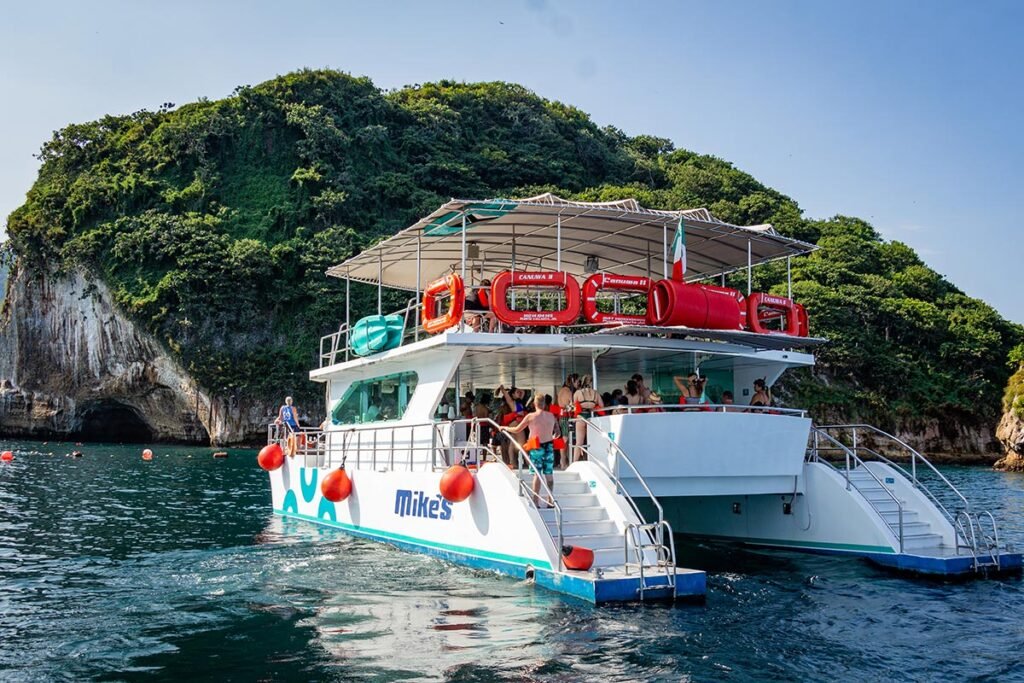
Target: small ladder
{"type": "Point", "coordinates": [664, 555]}
{"type": "Point", "coordinates": [976, 541]}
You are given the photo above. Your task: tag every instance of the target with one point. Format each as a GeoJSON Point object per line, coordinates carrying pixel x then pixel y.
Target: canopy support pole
{"type": "Point", "coordinates": [348, 308]}
{"type": "Point", "coordinates": [664, 251]}
{"type": "Point", "coordinates": [513, 272]}
{"type": "Point", "coordinates": [789, 277]}
{"type": "Point", "coordinates": [749, 269]}
{"type": "Point", "coordinates": [463, 247]}
{"type": "Point", "coordinates": [558, 243]}
{"type": "Point", "coordinates": [419, 248]}
{"type": "Point", "coordinates": [380, 278]}
{"type": "Point", "coordinates": [462, 323]}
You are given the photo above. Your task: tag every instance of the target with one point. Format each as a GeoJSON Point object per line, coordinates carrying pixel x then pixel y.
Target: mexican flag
{"type": "Point", "coordinates": [679, 252]}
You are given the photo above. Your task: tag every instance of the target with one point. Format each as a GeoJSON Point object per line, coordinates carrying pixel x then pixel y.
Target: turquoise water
{"type": "Point", "coordinates": [112, 568]}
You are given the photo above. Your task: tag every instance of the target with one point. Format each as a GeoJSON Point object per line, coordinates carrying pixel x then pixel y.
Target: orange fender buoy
{"type": "Point", "coordinates": [147, 454]}
{"type": "Point", "coordinates": [7, 456]}
{"type": "Point", "coordinates": [577, 557]}
{"type": "Point", "coordinates": [456, 484]}
{"type": "Point", "coordinates": [271, 457]}
{"type": "Point", "coordinates": [336, 486]}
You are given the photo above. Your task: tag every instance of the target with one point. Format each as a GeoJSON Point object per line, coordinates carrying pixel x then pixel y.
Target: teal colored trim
{"type": "Point", "coordinates": [327, 510]}
{"type": "Point", "coordinates": [439, 227]}
{"type": "Point", "coordinates": [291, 502]}
{"type": "Point", "coordinates": [410, 540]}
{"type": "Point", "coordinates": [308, 490]}
{"type": "Point", "coordinates": [846, 547]}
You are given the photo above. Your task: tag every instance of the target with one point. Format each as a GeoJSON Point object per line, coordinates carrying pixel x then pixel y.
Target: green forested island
{"type": "Point", "coordinates": [212, 223]}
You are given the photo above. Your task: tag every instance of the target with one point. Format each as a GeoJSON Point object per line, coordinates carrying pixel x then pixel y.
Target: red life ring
{"type": "Point", "coordinates": [450, 285]}
{"type": "Point", "coordinates": [762, 308]}
{"type": "Point", "coordinates": [624, 283]}
{"type": "Point", "coordinates": [804, 324]}
{"type": "Point", "coordinates": [548, 279]}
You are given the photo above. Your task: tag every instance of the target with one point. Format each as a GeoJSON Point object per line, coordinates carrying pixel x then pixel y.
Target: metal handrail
{"type": "Point", "coordinates": [522, 455]}
{"type": "Point", "coordinates": [920, 484]}
{"type": "Point", "coordinates": [331, 356]}
{"type": "Point", "coordinates": [817, 431]}
{"type": "Point", "coordinates": [701, 407]}
{"type": "Point", "coordinates": [660, 527]}
{"type": "Point", "coordinates": [614, 476]}
{"type": "Point", "coordinates": [913, 460]}
{"type": "Point", "coordinates": [434, 446]}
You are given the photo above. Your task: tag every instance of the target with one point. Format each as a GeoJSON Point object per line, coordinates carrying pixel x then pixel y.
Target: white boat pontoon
{"type": "Point", "coordinates": [642, 472]}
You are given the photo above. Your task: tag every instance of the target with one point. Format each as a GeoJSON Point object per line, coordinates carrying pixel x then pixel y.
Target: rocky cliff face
{"type": "Point", "coordinates": [72, 365]}
{"type": "Point", "coordinates": [1011, 427]}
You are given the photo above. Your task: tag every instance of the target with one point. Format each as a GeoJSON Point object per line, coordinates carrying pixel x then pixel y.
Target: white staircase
{"type": "Point", "coordinates": [975, 533]}
{"type": "Point", "coordinates": [585, 522]}
{"type": "Point", "coordinates": [917, 535]}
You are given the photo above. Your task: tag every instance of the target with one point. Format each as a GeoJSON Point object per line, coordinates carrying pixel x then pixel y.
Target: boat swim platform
{"type": "Point", "coordinates": [596, 586]}
{"type": "Point", "coordinates": [945, 563]}
{"type": "Point", "coordinates": [941, 562]}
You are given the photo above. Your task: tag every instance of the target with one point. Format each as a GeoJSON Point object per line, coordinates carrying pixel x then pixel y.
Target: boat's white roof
{"type": "Point", "coordinates": [547, 355]}
{"type": "Point", "coordinates": [530, 234]}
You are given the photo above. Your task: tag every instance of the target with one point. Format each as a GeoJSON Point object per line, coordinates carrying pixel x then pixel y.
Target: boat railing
{"type": "Point", "coordinates": [968, 537]}
{"type": "Point", "coordinates": [614, 472]}
{"type": "Point", "coordinates": [396, 446]}
{"type": "Point", "coordinates": [852, 461]}
{"type": "Point", "coordinates": [522, 457]}
{"type": "Point", "coordinates": [337, 346]}
{"type": "Point", "coordinates": [857, 432]}
{"type": "Point", "coordinates": [700, 407]}
{"type": "Point", "coordinates": [665, 553]}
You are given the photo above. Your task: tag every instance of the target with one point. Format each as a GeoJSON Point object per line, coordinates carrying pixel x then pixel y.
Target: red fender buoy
{"type": "Point", "coordinates": [456, 484]}
{"type": "Point", "coordinates": [271, 457]}
{"type": "Point", "coordinates": [7, 456]}
{"type": "Point", "coordinates": [336, 486]}
{"type": "Point", "coordinates": [147, 454]}
{"type": "Point", "coordinates": [577, 557]}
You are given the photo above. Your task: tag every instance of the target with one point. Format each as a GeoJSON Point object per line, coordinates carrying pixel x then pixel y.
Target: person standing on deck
{"type": "Point", "coordinates": [543, 425]}
{"type": "Point", "coordinates": [564, 399]}
{"type": "Point", "coordinates": [586, 400]}
{"type": "Point", "coordinates": [645, 392]}
{"type": "Point", "coordinates": [288, 415]}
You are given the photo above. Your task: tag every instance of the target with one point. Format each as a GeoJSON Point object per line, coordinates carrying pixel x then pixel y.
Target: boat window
{"type": "Point", "coordinates": [375, 400]}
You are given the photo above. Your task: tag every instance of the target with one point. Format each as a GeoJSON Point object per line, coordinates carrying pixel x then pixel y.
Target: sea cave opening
{"type": "Point", "coordinates": [113, 422]}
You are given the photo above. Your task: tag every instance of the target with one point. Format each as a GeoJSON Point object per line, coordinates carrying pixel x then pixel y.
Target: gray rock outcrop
{"type": "Point", "coordinates": [74, 366]}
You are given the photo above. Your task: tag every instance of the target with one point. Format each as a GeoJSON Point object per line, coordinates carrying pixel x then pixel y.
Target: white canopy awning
{"type": "Point", "coordinates": [548, 233]}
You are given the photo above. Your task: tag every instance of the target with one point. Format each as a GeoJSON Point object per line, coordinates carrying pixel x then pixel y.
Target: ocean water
{"type": "Point", "coordinates": [112, 568]}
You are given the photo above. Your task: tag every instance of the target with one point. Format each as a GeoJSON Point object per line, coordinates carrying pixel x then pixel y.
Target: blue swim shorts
{"type": "Point", "coordinates": [543, 458]}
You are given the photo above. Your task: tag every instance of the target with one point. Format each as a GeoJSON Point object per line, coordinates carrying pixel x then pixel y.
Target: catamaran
{"type": "Point", "coordinates": [606, 289]}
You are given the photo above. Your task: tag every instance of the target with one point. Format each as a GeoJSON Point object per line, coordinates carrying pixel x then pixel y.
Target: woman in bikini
{"type": "Point", "coordinates": [762, 395]}
{"type": "Point", "coordinates": [586, 400]}
{"type": "Point", "coordinates": [564, 400]}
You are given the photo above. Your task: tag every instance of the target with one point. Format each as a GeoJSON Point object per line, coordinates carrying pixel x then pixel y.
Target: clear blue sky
{"type": "Point", "coordinates": [906, 114]}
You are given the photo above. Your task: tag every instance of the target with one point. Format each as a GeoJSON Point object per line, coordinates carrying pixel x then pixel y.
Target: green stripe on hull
{"type": "Point", "coordinates": [387, 535]}
{"type": "Point", "coordinates": [806, 545]}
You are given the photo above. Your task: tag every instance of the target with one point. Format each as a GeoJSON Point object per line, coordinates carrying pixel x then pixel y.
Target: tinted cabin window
{"type": "Point", "coordinates": [379, 399]}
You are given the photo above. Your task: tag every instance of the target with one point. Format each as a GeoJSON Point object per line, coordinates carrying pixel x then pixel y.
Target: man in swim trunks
{"type": "Point", "coordinates": [542, 425]}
